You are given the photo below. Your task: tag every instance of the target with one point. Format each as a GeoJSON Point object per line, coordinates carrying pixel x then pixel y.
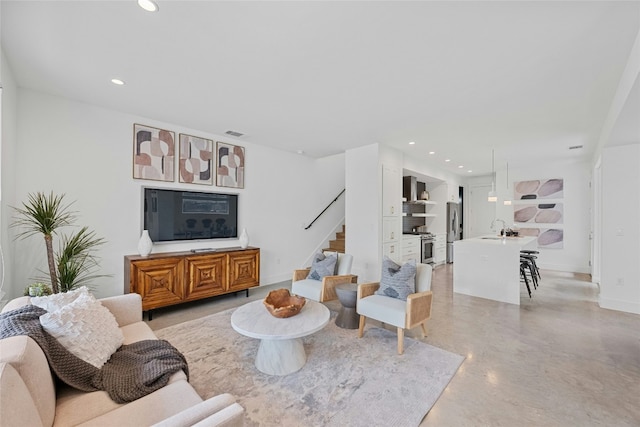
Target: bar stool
{"type": "Point", "coordinates": [523, 275]}
{"type": "Point", "coordinates": [526, 263]}
{"type": "Point", "coordinates": [532, 256]}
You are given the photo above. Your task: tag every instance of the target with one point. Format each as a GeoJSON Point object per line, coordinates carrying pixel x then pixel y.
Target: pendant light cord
{"type": "Point", "coordinates": [493, 170]}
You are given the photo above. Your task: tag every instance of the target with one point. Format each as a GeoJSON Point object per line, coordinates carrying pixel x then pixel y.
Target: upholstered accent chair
{"type": "Point", "coordinates": [324, 289]}
{"type": "Point", "coordinates": [416, 310]}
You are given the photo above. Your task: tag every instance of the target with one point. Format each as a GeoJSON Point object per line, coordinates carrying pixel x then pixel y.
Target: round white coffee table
{"type": "Point", "coordinates": [281, 351]}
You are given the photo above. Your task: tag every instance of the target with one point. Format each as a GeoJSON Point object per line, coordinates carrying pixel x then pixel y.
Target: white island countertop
{"type": "Point", "coordinates": [501, 240]}
{"type": "Point", "coordinates": [489, 266]}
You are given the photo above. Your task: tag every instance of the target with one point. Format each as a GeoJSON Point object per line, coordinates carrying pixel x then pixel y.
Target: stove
{"type": "Point", "coordinates": [426, 246]}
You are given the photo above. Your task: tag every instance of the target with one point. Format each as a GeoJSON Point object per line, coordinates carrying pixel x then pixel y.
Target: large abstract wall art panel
{"type": "Point", "coordinates": [547, 238]}
{"type": "Point", "coordinates": [153, 153]}
{"type": "Point", "coordinates": [230, 165]}
{"type": "Point", "coordinates": [539, 189]}
{"type": "Point", "coordinates": [196, 160]}
{"type": "Point", "coordinates": [542, 213]}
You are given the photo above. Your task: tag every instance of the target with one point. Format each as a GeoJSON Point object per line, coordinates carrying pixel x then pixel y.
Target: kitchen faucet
{"type": "Point", "coordinates": [504, 225]}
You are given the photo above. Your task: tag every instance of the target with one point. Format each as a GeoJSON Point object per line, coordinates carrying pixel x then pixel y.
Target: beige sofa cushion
{"type": "Point", "coordinates": [137, 332]}
{"type": "Point", "coordinates": [26, 357]}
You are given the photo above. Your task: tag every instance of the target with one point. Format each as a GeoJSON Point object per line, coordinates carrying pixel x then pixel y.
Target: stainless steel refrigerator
{"type": "Point", "coordinates": [454, 224]}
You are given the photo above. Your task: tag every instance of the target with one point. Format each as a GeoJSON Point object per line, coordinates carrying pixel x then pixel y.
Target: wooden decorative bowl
{"type": "Point", "coordinates": [282, 304]}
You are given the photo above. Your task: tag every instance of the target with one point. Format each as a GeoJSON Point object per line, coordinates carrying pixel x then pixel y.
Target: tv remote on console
{"type": "Point", "coordinates": [195, 251]}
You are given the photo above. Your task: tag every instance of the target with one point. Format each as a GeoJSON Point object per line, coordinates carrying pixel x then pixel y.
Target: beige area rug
{"type": "Point", "coordinates": [346, 381]}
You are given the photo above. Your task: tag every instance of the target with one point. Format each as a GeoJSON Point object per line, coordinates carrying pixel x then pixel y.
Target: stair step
{"type": "Point", "coordinates": [337, 245]}
{"type": "Point", "coordinates": [340, 235]}
{"type": "Point", "coordinates": [333, 250]}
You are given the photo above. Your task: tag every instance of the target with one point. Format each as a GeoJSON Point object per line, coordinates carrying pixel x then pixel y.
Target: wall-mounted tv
{"type": "Point", "coordinates": [173, 215]}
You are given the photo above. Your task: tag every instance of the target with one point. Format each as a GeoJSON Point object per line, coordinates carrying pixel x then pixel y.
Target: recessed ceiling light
{"type": "Point", "coordinates": [469, 171]}
{"type": "Point", "coordinates": [460, 167]}
{"type": "Point", "coordinates": [117, 82]}
{"type": "Point", "coordinates": [432, 152]}
{"type": "Point", "coordinates": [300, 151]}
{"type": "Point", "coordinates": [447, 160]}
{"type": "Point", "coordinates": [412, 143]}
{"type": "Point", "coordinates": [148, 5]}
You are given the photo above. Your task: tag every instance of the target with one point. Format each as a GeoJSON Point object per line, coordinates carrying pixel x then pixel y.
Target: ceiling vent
{"type": "Point", "coordinates": [234, 133]}
{"type": "Point", "coordinates": [575, 147]}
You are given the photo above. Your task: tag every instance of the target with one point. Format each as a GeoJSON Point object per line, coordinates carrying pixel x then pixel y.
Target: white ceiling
{"type": "Point", "coordinates": [529, 79]}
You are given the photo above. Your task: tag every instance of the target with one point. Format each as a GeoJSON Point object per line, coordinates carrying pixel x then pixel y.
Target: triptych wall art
{"type": "Point", "coordinates": [196, 160]}
{"type": "Point", "coordinates": [154, 158]}
{"type": "Point", "coordinates": [230, 166]}
{"type": "Point", "coordinates": [153, 153]}
{"type": "Point", "coordinates": [539, 211]}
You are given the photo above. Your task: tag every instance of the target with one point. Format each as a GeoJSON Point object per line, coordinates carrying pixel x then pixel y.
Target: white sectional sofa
{"type": "Point", "coordinates": [29, 395]}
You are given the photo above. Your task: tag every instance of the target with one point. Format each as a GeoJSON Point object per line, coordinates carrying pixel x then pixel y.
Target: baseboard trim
{"type": "Point", "coordinates": [266, 281]}
{"type": "Point", "coordinates": [613, 304]}
{"type": "Point", "coordinates": [566, 268]}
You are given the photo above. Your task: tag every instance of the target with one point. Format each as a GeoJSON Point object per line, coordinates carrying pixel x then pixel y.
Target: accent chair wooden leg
{"type": "Point", "coordinates": [424, 329]}
{"type": "Point", "coordinates": [361, 328]}
{"type": "Point", "coordinates": [400, 340]}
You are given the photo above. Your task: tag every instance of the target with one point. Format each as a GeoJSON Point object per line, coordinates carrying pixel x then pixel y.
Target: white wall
{"type": "Point", "coordinates": [362, 210]}
{"type": "Point", "coordinates": [575, 255]}
{"type": "Point", "coordinates": [620, 272]}
{"type": "Point", "coordinates": [478, 212]}
{"type": "Point", "coordinates": [8, 145]}
{"type": "Point", "coordinates": [86, 152]}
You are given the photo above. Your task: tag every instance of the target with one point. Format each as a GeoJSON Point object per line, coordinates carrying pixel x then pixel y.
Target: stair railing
{"type": "Point", "coordinates": [325, 209]}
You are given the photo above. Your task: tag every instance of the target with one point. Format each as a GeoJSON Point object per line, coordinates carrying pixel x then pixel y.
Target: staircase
{"type": "Point", "coordinates": [337, 245]}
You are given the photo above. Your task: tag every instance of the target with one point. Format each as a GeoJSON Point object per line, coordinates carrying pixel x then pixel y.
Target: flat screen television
{"type": "Point", "coordinates": [174, 215]}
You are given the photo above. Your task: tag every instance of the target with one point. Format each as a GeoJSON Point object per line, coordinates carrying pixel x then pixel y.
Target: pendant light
{"type": "Point", "coordinates": [492, 194]}
{"type": "Point", "coordinates": [507, 201]}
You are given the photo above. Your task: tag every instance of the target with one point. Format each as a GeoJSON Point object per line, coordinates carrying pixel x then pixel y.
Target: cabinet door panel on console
{"type": "Point", "coordinates": [244, 269]}
{"type": "Point", "coordinates": [206, 276]}
{"type": "Point", "coordinates": [158, 281]}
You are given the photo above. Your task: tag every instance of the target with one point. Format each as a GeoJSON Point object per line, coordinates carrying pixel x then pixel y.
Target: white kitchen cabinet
{"type": "Point", "coordinates": [392, 212]}
{"type": "Point", "coordinates": [391, 229]}
{"type": "Point", "coordinates": [391, 191]}
{"type": "Point", "coordinates": [393, 251]}
{"type": "Point", "coordinates": [440, 248]}
{"type": "Point", "coordinates": [411, 248]}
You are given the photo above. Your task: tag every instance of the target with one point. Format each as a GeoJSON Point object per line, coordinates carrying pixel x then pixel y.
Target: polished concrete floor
{"type": "Point", "coordinates": [555, 360]}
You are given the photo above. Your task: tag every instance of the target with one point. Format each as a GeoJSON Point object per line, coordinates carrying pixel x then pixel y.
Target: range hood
{"type": "Point", "coordinates": [414, 191]}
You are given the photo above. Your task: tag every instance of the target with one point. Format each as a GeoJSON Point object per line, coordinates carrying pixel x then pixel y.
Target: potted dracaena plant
{"type": "Point", "coordinates": [74, 264]}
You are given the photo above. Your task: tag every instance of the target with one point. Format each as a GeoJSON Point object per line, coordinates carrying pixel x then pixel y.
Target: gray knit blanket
{"type": "Point", "coordinates": [132, 372]}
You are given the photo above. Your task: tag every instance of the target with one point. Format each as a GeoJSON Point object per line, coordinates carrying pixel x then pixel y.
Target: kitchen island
{"type": "Point", "coordinates": [489, 267]}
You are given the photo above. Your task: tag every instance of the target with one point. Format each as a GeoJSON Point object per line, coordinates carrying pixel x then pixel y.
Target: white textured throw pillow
{"type": "Point", "coordinates": [86, 328]}
{"type": "Point", "coordinates": [55, 302]}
